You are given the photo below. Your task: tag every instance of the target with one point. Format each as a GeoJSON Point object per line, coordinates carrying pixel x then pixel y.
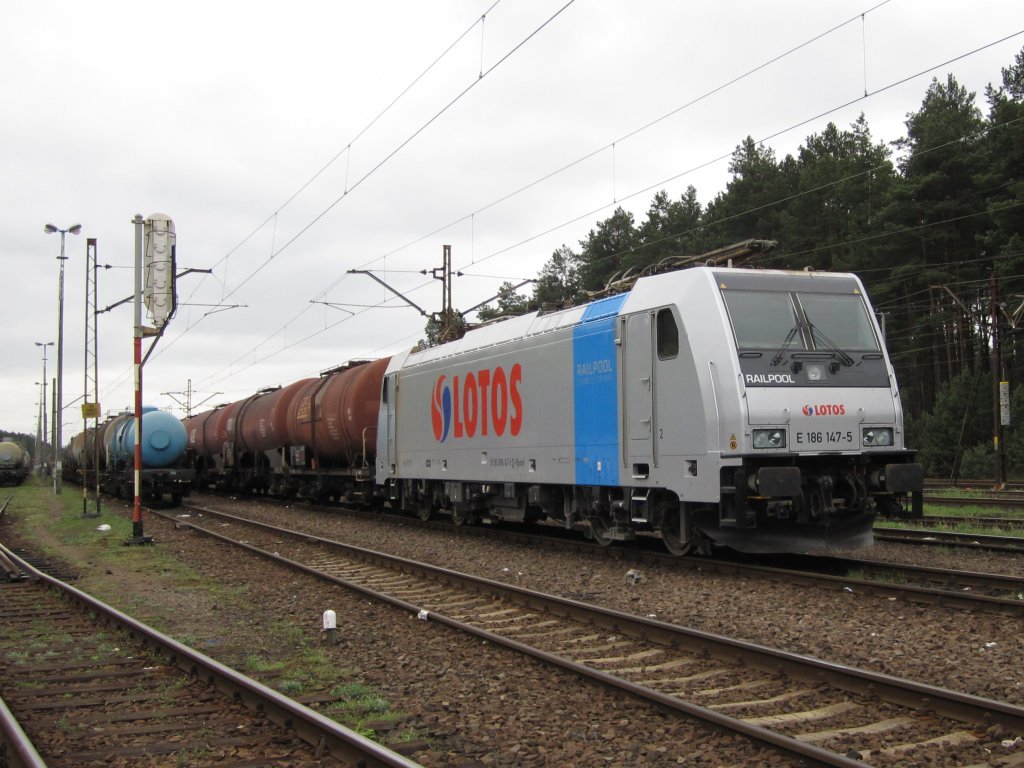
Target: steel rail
{"type": "Point", "coordinates": [312, 727]}
{"type": "Point", "coordinates": [1010, 502]}
{"type": "Point", "coordinates": [965, 540]}
{"type": "Point", "coordinates": [1005, 606]}
{"type": "Point", "coordinates": [21, 752]}
{"type": "Point", "coordinates": [1002, 523]}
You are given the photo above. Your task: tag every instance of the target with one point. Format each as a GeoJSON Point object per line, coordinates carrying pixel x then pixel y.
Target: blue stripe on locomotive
{"type": "Point", "coordinates": [596, 394]}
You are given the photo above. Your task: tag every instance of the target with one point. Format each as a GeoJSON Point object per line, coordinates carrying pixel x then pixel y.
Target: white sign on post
{"type": "Point", "coordinates": [159, 268]}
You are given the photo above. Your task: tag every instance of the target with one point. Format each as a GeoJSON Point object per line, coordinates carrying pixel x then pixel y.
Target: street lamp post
{"type": "Point", "coordinates": [59, 407]}
{"type": "Point", "coordinates": [37, 460]}
{"type": "Point", "coordinates": [39, 453]}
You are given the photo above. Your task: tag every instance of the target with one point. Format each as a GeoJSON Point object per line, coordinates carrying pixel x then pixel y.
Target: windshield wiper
{"type": "Point", "coordinates": [817, 334]}
{"type": "Point", "coordinates": [785, 344]}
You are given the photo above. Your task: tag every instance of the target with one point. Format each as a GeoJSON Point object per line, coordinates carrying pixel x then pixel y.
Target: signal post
{"type": "Point", "coordinates": [155, 253]}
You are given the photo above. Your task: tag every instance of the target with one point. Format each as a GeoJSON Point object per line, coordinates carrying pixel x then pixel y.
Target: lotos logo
{"type": "Point", "coordinates": [441, 410]}
{"type": "Point", "coordinates": [478, 402]}
{"type": "Point", "coordinates": [833, 409]}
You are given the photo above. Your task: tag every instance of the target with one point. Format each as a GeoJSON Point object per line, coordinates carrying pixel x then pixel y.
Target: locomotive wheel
{"type": "Point", "coordinates": [425, 510]}
{"type": "Point", "coordinates": [461, 515]}
{"type": "Point", "coordinates": [600, 530]}
{"type": "Point", "coordinates": [671, 534]}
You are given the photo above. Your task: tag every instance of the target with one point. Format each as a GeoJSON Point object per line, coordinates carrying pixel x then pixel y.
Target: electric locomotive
{"type": "Point", "coordinates": [752, 408]}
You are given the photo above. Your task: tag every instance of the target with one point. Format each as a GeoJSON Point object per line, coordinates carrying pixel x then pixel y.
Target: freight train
{"type": "Point", "coordinates": [756, 409]}
{"type": "Point", "coordinates": [109, 450]}
{"type": "Point", "coordinates": [15, 463]}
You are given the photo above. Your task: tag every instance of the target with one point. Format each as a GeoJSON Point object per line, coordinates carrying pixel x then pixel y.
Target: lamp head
{"type": "Point", "coordinates": [49, 229]}
{"type": "Point", "coordinates": [75, 229]}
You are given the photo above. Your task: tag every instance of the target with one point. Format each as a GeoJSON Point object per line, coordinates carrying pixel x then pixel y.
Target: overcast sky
{"type": "Point", "coordinates": [264, 132]}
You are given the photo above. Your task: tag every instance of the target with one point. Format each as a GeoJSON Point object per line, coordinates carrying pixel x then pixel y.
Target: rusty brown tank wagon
{"type": "Point", "coordinates": [314, 438]}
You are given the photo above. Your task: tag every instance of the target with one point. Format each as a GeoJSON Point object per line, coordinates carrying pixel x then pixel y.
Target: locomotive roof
{"type": "Point", "coordinates": [656, 290]}
{"type": "Point", "coordinates": [512, 329]}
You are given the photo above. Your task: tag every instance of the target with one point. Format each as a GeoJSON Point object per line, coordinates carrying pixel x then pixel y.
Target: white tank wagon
{"type": "Point", "coordinates": [15, 463]}
{"type": "Point", "coordinates": [752, 408]}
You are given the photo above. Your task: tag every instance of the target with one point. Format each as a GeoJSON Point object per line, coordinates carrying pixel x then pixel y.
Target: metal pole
{"type": "Point", "coordinates": [996, 364]}
{"type": "Point", "coordinates": [59, 407]}
{"type": "Point", "coordinates": [39, 429]}
{"type": "Point", "coordinates": [137, 532]}
{"type": "Point", "coordinates": [46, 405]}
{"type": "Point", "coordinates": [95, 379]}
{"type": "Point", "coordinates": [89, 372]}
{"type": "Point", "coordinates": [82, 466]}
{"type": "Point", "coordinates": [44, 435]}
{"type": "Point", "coordinates": [53, 417]}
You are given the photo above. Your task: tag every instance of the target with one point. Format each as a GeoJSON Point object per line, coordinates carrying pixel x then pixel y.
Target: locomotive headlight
{"type": "Point", "coordinates": [815, 372]}
{"type": "Point", "coordinates": [769, 438]}
{"type": "Point", "coordinates": [877, 437]}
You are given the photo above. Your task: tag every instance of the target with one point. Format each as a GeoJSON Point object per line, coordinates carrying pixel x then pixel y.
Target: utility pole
{"type": "Point", "coordinates": [997, 388]}
{"type": "Point", "coordinates": [446, 317]}
{"type": "Point", "coordinates": [43, 407]}
{"type": "Point", "coordinates": [58, 408]}
{"type": "Point", "coordinates": [91, 407]}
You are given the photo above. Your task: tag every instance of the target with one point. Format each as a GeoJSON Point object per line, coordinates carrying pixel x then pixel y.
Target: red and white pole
{"type": "Point", "coordinates": [137, 534]}
{"type": "Point", "coordinates": [137, 507]}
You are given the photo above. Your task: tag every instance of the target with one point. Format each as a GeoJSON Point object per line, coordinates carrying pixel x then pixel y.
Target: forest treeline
{"type": "Point", "coordinates": [932, 222]}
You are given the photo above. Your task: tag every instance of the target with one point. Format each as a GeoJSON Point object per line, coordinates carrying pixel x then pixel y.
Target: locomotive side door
{"type": "Point", "coordinates": [390, 398]}
{"type": "Point", "coordinates": [638, 393]}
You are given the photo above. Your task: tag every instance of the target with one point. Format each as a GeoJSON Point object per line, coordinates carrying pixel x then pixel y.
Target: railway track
{"type": "Point", "coordinates": [931, 536]}
{"type": "Point", "coordinates": [82, 684]}
{"type": "Point", "coordinates": [819, 712]}
{"type": "Point", "coordinates": [997, 523]}
{"type": "Point", "coordinates": [1013, 501]}
{"type": "Point", "coordinates": [966, 590]}
{"type": "Point", "coordinates": [969, 590]}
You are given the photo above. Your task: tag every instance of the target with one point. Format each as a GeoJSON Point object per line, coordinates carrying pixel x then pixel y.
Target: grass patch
{"type": "Point", "coordinates": [967, 526]}
{"type": "Point", "coordinates": [879, 577]}
{"type": "Point", "coordinates": [150, 583]}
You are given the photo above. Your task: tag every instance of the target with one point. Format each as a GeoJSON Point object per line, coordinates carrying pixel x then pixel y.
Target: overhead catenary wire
{"type": "Point", "coordinates": [275, 253]}
{"type": "Point", "coordinates": [630, 134]}
{"type": "Point", "coordinates": [779, 202]}
{"type": "Point", "coordinates": [404, 143]}
{"type": "Point", "coordinates": [427, 283]}
{"type": "Point", "coordinates": [347, 149]}
{"type": "Point", "coordinates": [634, 132]}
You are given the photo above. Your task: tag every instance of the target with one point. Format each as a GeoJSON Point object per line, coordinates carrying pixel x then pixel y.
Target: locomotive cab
{"type": "Point", "coordinates": [818, 425]}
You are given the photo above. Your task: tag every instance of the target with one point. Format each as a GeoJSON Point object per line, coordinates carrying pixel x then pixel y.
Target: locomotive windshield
{"type": "Point", "coordinates": [799, 321]}
{"type": "Point", "coordinates": [839, 318]}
